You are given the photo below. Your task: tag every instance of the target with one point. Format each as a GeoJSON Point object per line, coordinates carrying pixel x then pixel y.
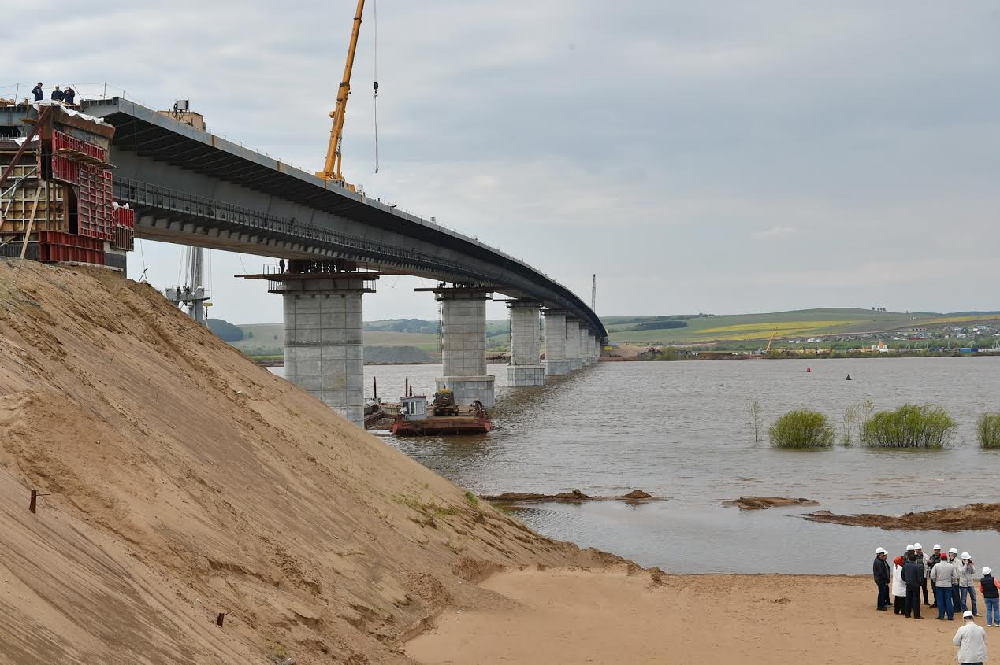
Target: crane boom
{"type": "Point", "coordinates": [331, 168]}
{"type": "Point", "coordinates": [771, 341]}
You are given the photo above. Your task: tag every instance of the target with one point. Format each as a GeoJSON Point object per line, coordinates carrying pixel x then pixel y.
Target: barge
{"type": "Point", "coordinates": [444, 419]}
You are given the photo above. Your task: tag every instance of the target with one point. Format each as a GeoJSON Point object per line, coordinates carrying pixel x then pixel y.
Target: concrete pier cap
{"type": "Point", "coordinates": [526, 368]}
{"type": "Point", "coordinates": [324, 344]}
{"type": "Point", "coordinates": [463, 343]}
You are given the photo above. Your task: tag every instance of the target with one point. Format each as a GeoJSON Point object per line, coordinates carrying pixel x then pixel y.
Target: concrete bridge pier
{"type": "Point", "coordinates": [324, 346]}
{"type": "Point", "coordinates": [587, 346]}
{"type": "Point", "coordinates": [573, 344]}
{"type": "Point", "coordinates": [555, 343]}
{"type": "Point", "coordinates": [525, 367]}
{"type": "Point", "coordinates": [463, 336]}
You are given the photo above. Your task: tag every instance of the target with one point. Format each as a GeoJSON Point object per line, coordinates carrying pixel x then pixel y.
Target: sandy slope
{"type": "Point", "coordinates": [565, 617]}
{"type": "Point", "coordinates": [186, 481]}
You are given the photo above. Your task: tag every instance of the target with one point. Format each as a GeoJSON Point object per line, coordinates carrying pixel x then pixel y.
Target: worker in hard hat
{"type": "Point", "coordinates": [932, 561]}
{"type": "Point", "coordinates": [922, 558]}
{"type": "Point", "coordinates": [955, 593]}
{"type": "Point", "coordinates": [966, 583]}
{"type": "Point", "coordinates": [971, 642]}
{"type": "Point", "coordinates": [913, 576]}
{"type": "Point", "coordinates": [906, 557]}
{"type": "Point", "coordinates": [882, 575]}
{"type": "Point", "coordinates": [943, 576]}
{"type": "Point", "coordinates": [991, 596]}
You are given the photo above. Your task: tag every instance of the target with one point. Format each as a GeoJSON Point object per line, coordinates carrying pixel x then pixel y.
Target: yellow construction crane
{"type": "Point", "coordinates": [331, 168]}
{"type": "Point", "coordinates": [770, 342]}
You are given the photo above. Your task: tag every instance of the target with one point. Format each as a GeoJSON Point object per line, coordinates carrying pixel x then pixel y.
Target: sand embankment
{"type": "Point", "coordinates": [970, 517]}
{"type": "Point", "coordinates": [186, 481]}
{"type": "Point", "coordinates": [611, 617]}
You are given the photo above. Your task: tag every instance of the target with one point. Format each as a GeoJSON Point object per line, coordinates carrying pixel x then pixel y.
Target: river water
{"type": "Point", "coordinates": [682, 430]}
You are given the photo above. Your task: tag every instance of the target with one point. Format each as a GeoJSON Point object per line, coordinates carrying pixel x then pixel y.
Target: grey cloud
{"type": "Point", "coordinates": [647, 141]}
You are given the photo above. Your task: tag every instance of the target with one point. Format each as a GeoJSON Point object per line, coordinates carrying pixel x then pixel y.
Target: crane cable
{"type": "Point", "coordinates": [375, 96]}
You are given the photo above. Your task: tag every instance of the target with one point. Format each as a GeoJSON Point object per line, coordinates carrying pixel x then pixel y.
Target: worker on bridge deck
{"type": "Point", "coordinates": [69, 96]}
{"type": "Point", "coordinates": [57, 95]}
{"type": "Point", "coordinates": [38, 92]}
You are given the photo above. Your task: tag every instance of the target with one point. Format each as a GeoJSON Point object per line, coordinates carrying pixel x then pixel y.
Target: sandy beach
{"type": "Point", "coordinates": [568, 616]}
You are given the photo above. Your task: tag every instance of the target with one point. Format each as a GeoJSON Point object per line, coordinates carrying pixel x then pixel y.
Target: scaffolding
{"type": "Point", "coordinates": [56, 194]}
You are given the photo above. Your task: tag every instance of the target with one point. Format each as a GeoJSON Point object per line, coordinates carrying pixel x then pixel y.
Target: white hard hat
{"type": "Point", "coordinates": [880, 550]}
{"type": "Point", "coordinates": [967, 614]}
{"type": "Point", "coordinates": [965, 555]}
{"type": "Point", "coordinates": [953, 551]}
{"type": "Point", "coordinates": [937, 547]}
{"type": "Point", "coordinates": [987, 570]}
{"type": "Point", "coordinates": [917, 546]}
{"type": "Point", "coordinates": [909, 548]}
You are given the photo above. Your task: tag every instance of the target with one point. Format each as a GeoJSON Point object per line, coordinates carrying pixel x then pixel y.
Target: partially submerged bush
{"type": "Point", "coordinates": [909, 426]}
{"type": "Point", "coordinates": [802, 429]}
{"type": "Point", "coordinates": [989, 430]}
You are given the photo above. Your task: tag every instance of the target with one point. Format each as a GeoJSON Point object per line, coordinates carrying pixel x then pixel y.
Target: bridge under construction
{"type": "Point", "coordinates": [79, 185]}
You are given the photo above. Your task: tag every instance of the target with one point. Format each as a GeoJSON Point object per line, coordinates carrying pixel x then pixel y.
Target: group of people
{"type": "Point", "coordinates": [953, 581]}
{"type": "Point", "coordinates": [67, 96]}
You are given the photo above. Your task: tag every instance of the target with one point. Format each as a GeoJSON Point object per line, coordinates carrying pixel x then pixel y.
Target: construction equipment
{"type": "Point", "coordinates": [444, 403]}
{"type": "Point", "coordinates": [770, 342]}
{"type": "Point", "coordinates": [331, 168]}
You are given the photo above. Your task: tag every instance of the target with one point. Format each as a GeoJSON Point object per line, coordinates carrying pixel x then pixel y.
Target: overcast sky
{"type": "Point", "coordinates": [711, 156]}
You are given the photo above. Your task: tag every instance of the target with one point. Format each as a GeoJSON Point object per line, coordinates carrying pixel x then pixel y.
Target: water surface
{"type": "Point", "coordinates": [681, 430]}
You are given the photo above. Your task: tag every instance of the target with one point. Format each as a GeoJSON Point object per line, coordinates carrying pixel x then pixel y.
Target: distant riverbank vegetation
{"type": "Point", "coordinates": [909, 426]}
{"type": "Point", "coordinates": [989, 431]}
{"type": "Point", "coordinates": [802, 429]}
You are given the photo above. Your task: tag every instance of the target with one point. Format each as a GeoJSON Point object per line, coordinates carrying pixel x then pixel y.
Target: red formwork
{"type": "Point", "coordinates": [94, 203]}
{"type": "Point", "coordinates": [80, 163]}
{"type": "Point", "coordinates": [64, 167]}
{"type": "Point", "coordinates": [124, 224]}
{"type": "Point", "coordinates": [59, 246]}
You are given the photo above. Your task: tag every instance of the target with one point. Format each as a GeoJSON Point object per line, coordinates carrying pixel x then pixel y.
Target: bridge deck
{"type": "Point", "coordinates": [148, 137]}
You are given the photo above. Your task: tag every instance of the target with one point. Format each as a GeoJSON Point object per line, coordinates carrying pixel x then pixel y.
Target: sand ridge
{"type": "Point", "coordinates": [186, 481]}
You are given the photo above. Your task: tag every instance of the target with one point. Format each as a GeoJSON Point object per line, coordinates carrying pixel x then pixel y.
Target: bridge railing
{"type": "Point", "coordinates": [141, 194]}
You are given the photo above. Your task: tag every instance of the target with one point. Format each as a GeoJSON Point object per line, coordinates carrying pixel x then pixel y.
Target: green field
{"type": "Point", "coordinates": [801, 323]}
{"type": "Point", "coordinates": [267, 339]}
